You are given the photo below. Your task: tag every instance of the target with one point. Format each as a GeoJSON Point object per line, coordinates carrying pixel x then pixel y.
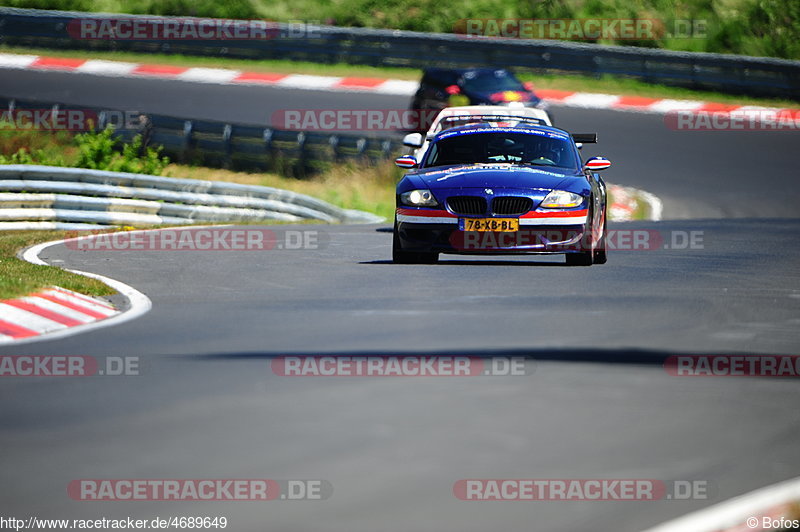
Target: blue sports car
{"type": "Point", "coordinates": [495, 188]}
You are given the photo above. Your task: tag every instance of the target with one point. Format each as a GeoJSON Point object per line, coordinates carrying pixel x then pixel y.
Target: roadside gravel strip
{"type": "Point", "coordinates": [397, 87]}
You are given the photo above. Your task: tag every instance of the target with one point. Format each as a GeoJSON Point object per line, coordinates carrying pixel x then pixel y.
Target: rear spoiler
{"type": "Point", "coordinates": [585, 138]}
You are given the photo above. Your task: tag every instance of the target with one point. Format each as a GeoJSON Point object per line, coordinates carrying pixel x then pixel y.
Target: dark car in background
{"type": "Point", "coordinates": [446, 87]}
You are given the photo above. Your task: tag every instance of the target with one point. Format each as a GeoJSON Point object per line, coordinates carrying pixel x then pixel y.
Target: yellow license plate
{"type": "Point", "coordinates": [501, 225]}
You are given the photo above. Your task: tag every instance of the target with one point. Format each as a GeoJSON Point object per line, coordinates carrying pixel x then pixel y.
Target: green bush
{"type": "Point", "coordinates": [98, 151]}
{"type": "Point", "coordinates": [22, 156]}
{"type": "Point", "coordinates": [94, 150]}
{"type": "Point", "coordinates": [764, 28]}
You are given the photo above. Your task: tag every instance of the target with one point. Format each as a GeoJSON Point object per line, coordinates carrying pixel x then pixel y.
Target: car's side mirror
{"type": "Point", "coordinates": [597, 163]}
{"type": "Point", "coordinates": [579, 145]}
{"type": "Point", "coordinates": [406, 161]}
{"type": "Point", "coordinates": [412, 140]}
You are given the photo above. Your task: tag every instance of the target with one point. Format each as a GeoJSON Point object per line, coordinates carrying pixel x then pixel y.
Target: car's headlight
{"type": "Point", "coordinates": [418, 198]}
{"type": "Point", "coordinates": [561, 199]}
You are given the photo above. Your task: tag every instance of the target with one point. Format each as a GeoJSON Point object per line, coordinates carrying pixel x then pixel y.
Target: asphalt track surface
{"type": "Point", "coordinates": [597, 402]}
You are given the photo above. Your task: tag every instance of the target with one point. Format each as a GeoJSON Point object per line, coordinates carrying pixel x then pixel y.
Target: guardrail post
{"type": "Point", "coordinates": [188, 126]}
{"type": "Point", "coordinates": [146, 130]}
{"type": "Point", "coordinates": [386, 149]}
{"type": "Point", "coordinates": [102, 119]}
{"type": "Point", "coordinates": [268, 155]}
{"type": "Point", "coordinates": [334, 142]}
{"type": "Point", "coordinates": [300, 165]}
{"type": "Point", "coordinates": [226, 142]}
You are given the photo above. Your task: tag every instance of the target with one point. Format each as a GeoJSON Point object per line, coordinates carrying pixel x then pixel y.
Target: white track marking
{"type": "Point", "coordinates": [591, 101]}
{"type": "Point", "coordinates": [399, 87]}
{"type": "Point", "coordinates": [107, 68]}
{"type": "Point", "coordinates": [210, 75]}
{"type": "Point", "coordinates": [665, 106]}
{"type": "Point", "coordinates": [301, 81]}
{"type": "Point", "coordinates": [17, 61]}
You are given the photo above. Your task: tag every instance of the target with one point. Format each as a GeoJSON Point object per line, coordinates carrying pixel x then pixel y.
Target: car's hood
{"type": "Point", "coordinates": [498, 176]}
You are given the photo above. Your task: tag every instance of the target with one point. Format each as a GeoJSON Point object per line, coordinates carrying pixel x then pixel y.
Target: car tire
{"type": "Point", "coordinates": [410, 257]}
{"type": "Point", "coordinates": [600, 253]}
{"type": "Point", "coordinates": [583, 258]}
{"type": "Point", "coordinates": [579, 259]}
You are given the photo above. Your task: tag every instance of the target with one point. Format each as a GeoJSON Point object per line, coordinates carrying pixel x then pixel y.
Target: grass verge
{"type": "Point", "coordinates": [19, 278]}
{"type": "Point", "coordinates": [604, 84]}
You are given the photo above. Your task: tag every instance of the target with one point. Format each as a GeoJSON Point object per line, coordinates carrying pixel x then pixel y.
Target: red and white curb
{"type": "Point", "coordinates": [48, 311]}
{"type": "Point", "coordinates": [641, 104]}
{"type": "Point", "coordinates": [57, 312]}
{"type": "Point", "coordinates": [224, 76]}
{"type": "Point", "coordinates": [746, 512]}
{"type": "Point", "coordinates": [627, 201]}
{"type": "Point", "coordinates": [221, 76]}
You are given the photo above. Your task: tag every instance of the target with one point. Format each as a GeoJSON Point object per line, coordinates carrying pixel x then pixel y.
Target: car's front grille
{"type": "Point", "coordinates": [467, 205]}
{"type": "Point", "coordinates": [511, 205]}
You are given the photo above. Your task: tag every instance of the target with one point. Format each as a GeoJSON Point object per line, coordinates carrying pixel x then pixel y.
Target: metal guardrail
{"type": "Point", "coordinates": [756, 76]}
{"type": "Point", "coordinates": [237, 146]}
{"type": "Point", "coordinates": [40, 196]}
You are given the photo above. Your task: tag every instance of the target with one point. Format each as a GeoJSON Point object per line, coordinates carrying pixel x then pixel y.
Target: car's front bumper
{"type": "Point", "coordinates": [427, 230]}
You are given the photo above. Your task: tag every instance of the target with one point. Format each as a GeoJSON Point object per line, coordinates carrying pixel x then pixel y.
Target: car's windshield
{"type": "Point", "coordinates": [495, 81]}
{"type": "Point", "coordinates": [502, 146]}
